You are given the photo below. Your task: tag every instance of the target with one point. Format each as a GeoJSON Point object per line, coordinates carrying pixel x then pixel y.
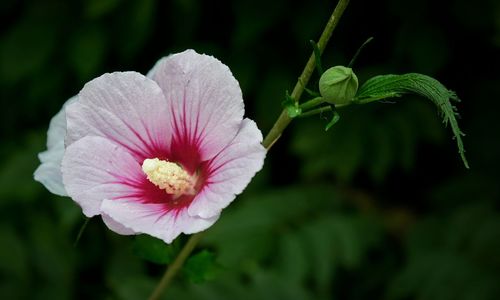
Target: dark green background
{"type": "Point", "coordinates": [380, 207]}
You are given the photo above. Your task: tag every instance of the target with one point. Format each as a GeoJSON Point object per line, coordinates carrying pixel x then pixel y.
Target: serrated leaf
{"type": "Point", "coordinates": [201, 267]}
{"type": "Point", "coordinates": [155, 250]}
{"type": "Point", "coordinates": [389, 86]}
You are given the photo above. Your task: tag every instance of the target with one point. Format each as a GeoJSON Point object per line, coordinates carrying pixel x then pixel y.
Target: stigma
{"type": "Point", "coordinates": [169, 176]}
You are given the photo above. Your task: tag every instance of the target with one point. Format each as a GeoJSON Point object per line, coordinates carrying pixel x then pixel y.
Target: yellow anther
{"type": "Point", "coordinates": [168, 176]}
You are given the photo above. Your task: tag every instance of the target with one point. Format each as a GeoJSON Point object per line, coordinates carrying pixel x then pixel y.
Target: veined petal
{"type": "Point", "coordinates": [126, 108]}
{"type": "Point", "coordinates": [49, 171]}
{"type": "Point", "coordinates": [152, 219]}
{"type": "Point", "coordinates": [230, 171]}
{"type": "Point", "coordinates": [115, 226]}
{"type": "Point", "coordinates": [95, 168]}
{"type": "Point", "coordinates": [206, 105]}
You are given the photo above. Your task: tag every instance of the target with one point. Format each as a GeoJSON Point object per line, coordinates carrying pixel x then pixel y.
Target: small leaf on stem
{"type": "Point", "coordinates": [292, 107]}
{"type": "Point", "coordinates": [334, 120]}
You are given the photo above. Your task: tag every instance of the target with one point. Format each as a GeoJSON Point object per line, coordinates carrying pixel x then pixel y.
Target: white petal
{"type": "Point", "coordinates": [115, 226]}
{"type": "Point", "coordinates": [49, 171]}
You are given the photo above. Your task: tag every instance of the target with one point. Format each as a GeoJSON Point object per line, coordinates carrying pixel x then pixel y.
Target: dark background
{"type": "Point", "coordinates": [380, 207]}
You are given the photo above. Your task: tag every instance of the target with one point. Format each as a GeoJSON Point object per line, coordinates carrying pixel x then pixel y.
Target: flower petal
{"type": "Point", "coordinates": [115, 226]}
{"type": "Point", "coordinates": [125, 107]}
{"type": "Point", "coordinates": [49, 171]}
{"type": "Point", "coordinates": [95, 169]}
{"type": "Point", "coordinates": [153, 220]}
{"type": "Point", "coordinates": [205, 100]}
{"type": "Point", "coordinates": [230, 171]}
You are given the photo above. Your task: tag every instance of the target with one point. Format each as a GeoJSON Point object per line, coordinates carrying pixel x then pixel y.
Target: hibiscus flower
{"type": "Point", "coordinates": [160, 154]}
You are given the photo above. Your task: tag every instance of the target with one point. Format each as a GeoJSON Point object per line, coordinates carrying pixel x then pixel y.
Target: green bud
{"type": "Point", "coordinates": [338, 85]}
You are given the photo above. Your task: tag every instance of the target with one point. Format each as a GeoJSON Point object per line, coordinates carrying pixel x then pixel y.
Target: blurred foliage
{"type": "Point", "coordinates": [379, 207]}
{"type": "Point", "coordinates": [155, 250]}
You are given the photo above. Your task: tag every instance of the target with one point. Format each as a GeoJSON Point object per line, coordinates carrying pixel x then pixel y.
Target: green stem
{"type": "Point", "coordinates": [377, 98]}
{"type": "Point", "coordinates": [315, 111]}
{"type": "Point", "coordinates": [175, 266]}
{"type": "Point", "coordinates": [284, 119]}
{"type": "Point", "coordinates": [311, 103]}
{"type": "Point", "coordinates": [80, 232]}
{"type": "Point", "coordinates": [269, 140]}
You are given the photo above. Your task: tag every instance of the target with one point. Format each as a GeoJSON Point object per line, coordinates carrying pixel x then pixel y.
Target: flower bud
{"type": "Point", "coordinates": [338, 85]}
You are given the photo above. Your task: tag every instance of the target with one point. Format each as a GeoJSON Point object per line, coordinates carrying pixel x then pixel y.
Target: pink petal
{"type": "Point", "coordinates": [125, 107]}
{"type": "Point", "coordinates": [95, 169]}
{"type": "Point", "coordinates": [230, 171]}
{"type": "Point", "coordinates": [205, 100]}
{"type": "Point", "coordinates": [49, 171]}
{"type": "Point", "coordinates": [153, 220]}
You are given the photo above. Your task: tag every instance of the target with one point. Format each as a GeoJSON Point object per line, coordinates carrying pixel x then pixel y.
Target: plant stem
{"type": "Point", "coordinates": [284, 119]}
{"type": "Point", "coordinates": [80, 232]}
{"type": "Point", "coordinates": [311, 103]}
{"type": "Point", "coordinates": [316, 111]}
{"type": "Point", "coordinates": [175, 266]}
{"type": "Point", "coordinates": [269, 140]}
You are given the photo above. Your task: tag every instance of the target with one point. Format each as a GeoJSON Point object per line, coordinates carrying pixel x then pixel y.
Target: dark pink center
{"type": "Point", "coordinates": [188, 157]}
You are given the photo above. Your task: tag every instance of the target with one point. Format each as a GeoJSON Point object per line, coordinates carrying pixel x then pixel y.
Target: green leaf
{"type": "Point", "coordinates": [335, 119]}
{"type": "Point", "coordinates": [389, 86]}
{"type": "Point", "coordinates": [155, 250]}
{"type": "Point", "coordinates": [293, 111]}
{"type": "Point", "coordinates": [292, 107]}
{"type": "Point", "coordinates": [201, 267]}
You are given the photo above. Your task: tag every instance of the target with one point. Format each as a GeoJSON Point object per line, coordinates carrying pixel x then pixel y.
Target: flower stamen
{"type": "Point", "coordinates": [168, 176]}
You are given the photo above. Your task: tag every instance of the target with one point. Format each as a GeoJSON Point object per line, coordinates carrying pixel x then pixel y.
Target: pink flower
{"type": "Point", "coordinates": [162, 154]}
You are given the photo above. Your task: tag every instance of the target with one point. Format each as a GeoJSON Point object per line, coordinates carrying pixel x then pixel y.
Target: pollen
{"type": "Point", "coordinates": [168, 176]}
